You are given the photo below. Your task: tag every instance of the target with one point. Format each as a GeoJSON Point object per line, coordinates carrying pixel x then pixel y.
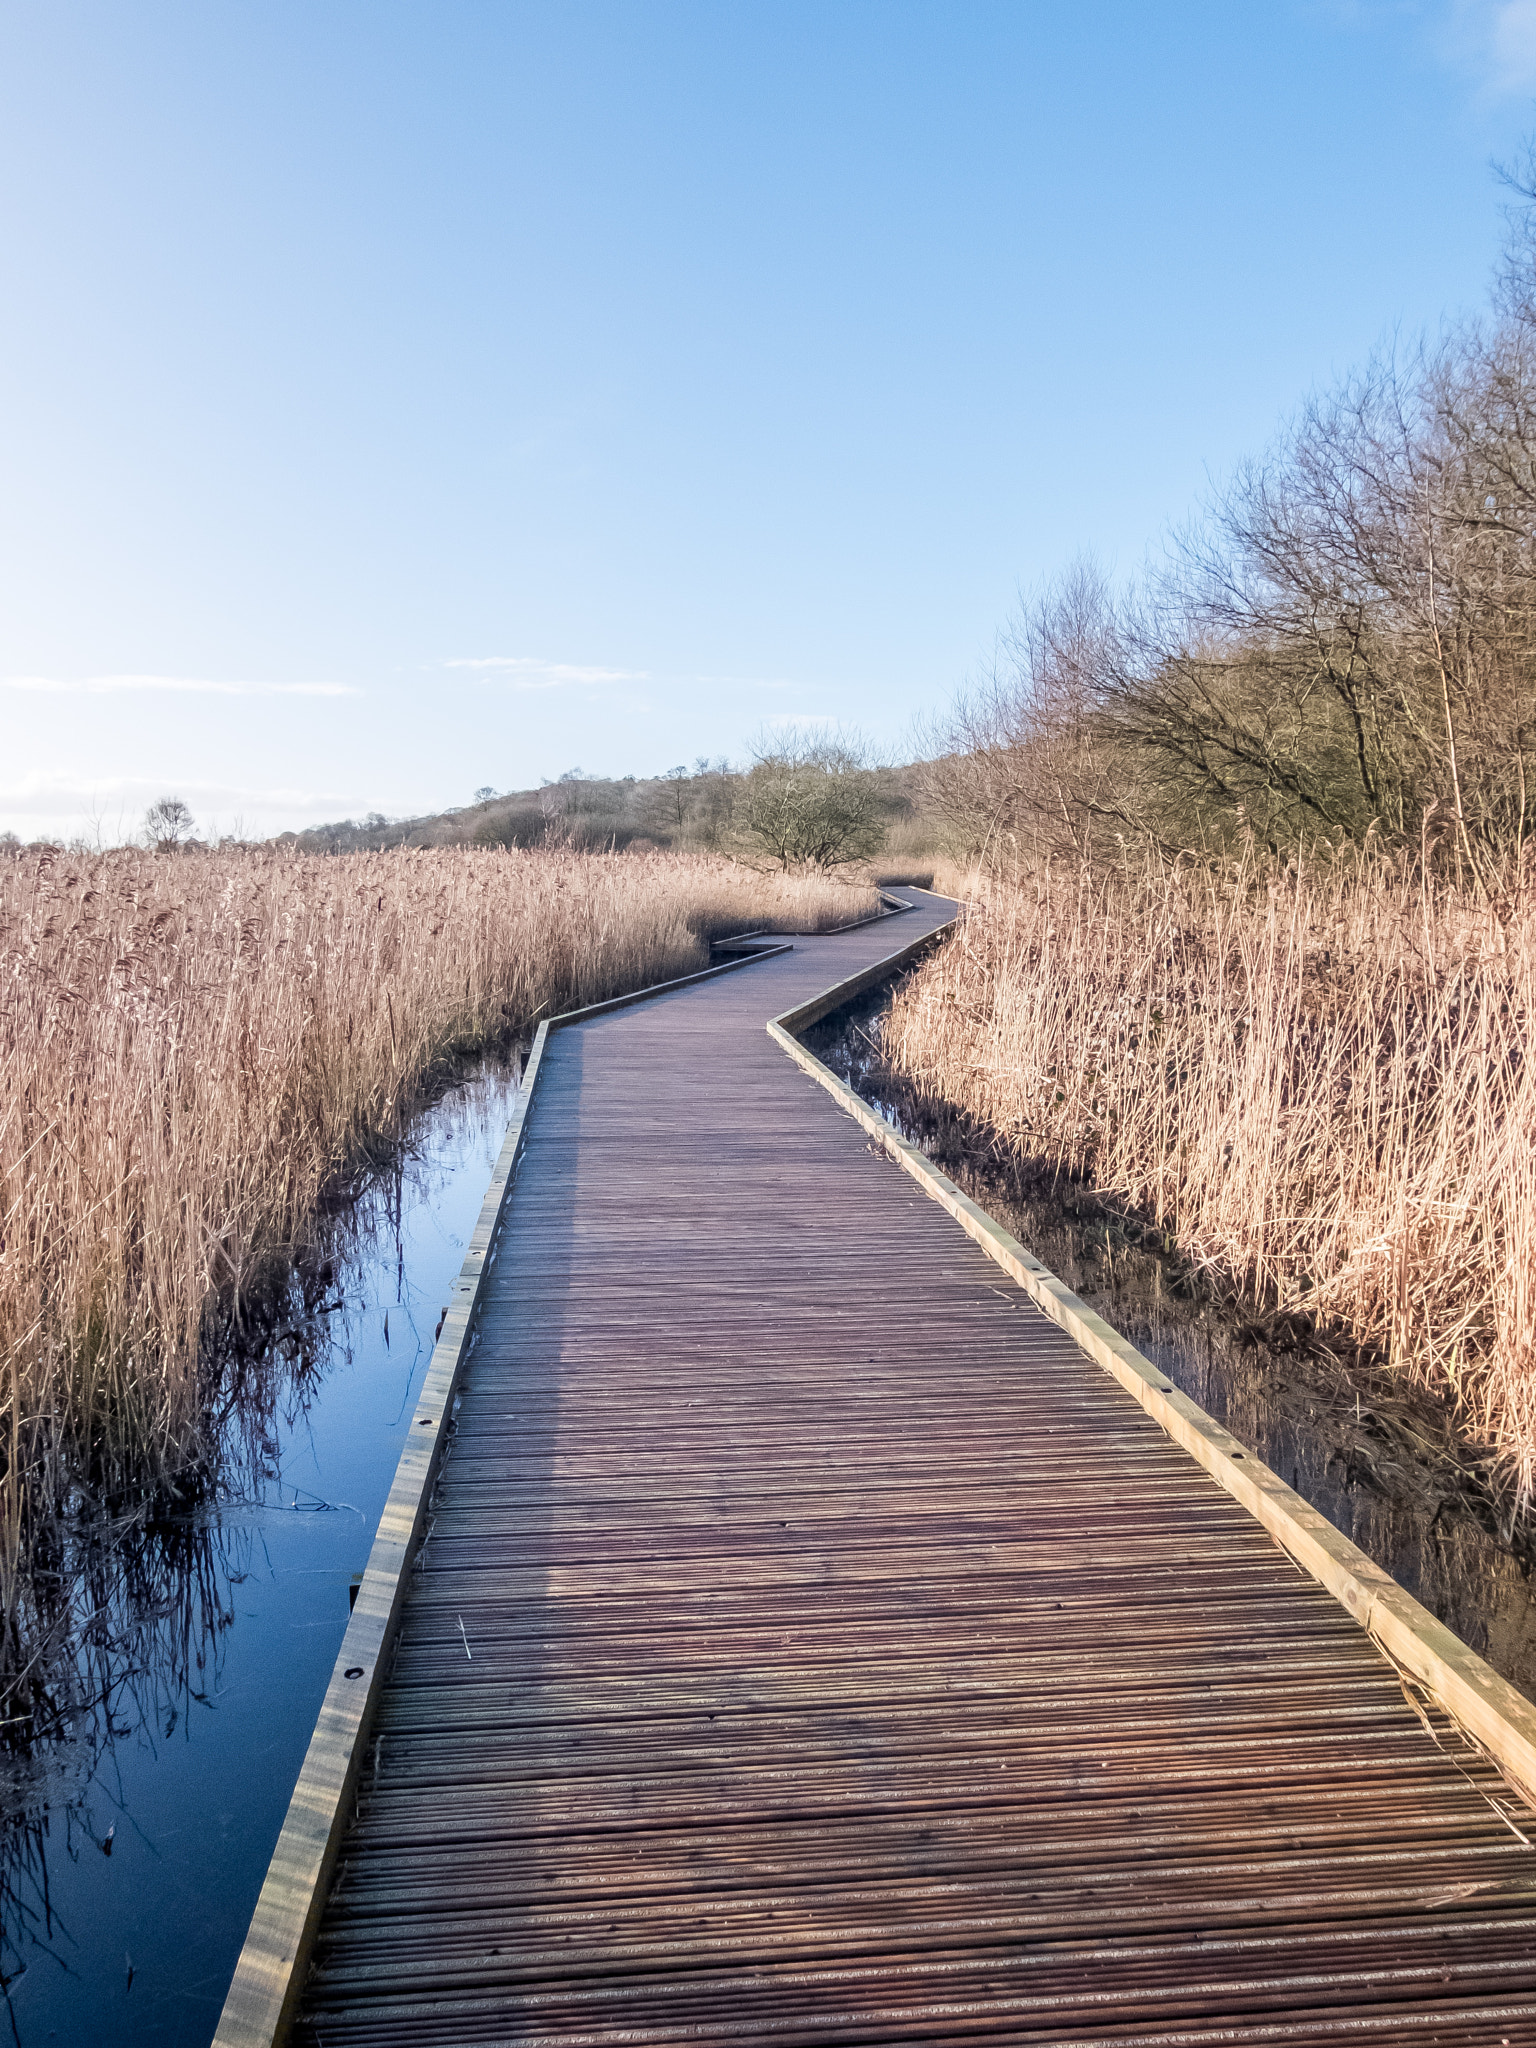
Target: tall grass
{"type": "Point", "coordinates": [196, 1050]}
{"type": "Point", "coordinates": [1319, 1081]}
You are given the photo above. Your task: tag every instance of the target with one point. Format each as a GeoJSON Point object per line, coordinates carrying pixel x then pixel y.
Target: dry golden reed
{"type": "Point", "coordinates": [195, 1047]}
{"type": "Point", "coordinates": [1318, 1081]}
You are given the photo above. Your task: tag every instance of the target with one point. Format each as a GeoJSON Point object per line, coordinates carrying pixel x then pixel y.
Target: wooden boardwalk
{"type": "Point", "coordinates": [812, 1645]}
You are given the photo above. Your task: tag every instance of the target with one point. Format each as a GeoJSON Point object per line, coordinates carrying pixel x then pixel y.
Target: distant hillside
{"type": "Point", "coordinates": [692, 808]}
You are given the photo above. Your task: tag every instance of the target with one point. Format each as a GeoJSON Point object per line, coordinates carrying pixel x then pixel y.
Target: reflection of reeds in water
{"type": "Point", "coordinates": [125, 1624]}
{"type": "Point", "coordinates": [120, 1604]}
{"type": "Point", "coordinates": [124, 1607]}
{"type": "Point", "coordinates": [196, 1049]}
{"type": "Point", "coordinates": [1316, 1081]}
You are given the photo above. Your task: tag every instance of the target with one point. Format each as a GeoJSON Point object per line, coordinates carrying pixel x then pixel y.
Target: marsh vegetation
{"type": "Point", "coordinates": [1315, 1081]}
{"type": "Point", "coordinates": [201, 1054]}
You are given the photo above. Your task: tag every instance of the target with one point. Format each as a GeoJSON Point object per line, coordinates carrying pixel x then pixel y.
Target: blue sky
{"type": "Point", "coordinates": [403, 398]}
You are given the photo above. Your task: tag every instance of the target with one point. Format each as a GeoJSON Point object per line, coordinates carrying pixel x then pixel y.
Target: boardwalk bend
{"type": "Point", "coordinates": [798, 1621]}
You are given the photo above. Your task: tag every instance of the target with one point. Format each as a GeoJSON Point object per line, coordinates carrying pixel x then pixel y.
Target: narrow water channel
{"type": "Point", "coordinates": [137, 1835]}
{"type": "Point", "coordinates": [1381, 1462]}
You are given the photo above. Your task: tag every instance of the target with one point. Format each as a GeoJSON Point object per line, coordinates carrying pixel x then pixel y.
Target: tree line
{"type": "Point", "coordinates": [1341, 649]}
{"type": "Point", "coordinates": [804, 798]}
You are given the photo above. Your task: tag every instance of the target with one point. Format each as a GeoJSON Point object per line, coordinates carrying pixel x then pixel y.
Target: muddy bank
{"type": "Point", "coordinates": [1381, 1461]}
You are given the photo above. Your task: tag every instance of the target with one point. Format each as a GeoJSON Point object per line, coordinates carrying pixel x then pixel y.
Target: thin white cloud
{"type": "Point", "coordinates": [801, 720]}
{"type": "Point", "coordinates": [105, 811]}
{"type": "Point", "coordinates": [196, 686]}
{"type": "Point", "coordinates": [1513, 41]}
{"type": "Point", "coordinates": [1496, 39]}
{"type": "Point", "coordinates": [748, 682]}
{"type": "Point", "coordinates": [530, 672]}
{"type": "Point", "coordinates": [527, 672]}
{"type": "Point", "coordinates": [42, 794]}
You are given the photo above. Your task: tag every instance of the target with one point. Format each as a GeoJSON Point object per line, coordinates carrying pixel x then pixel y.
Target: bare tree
{"type": "Point", "coordinates": [168, 824]}
{"type": "Point", "coordinates": [811, 800]}
{"type": "Point", "coordinates": [1026, 763]}
{"type": "Point", "coordinates": [1380, 588]}
{"type": "Point", "coordinates": [713, 789]}
{"type": "Point", "coordinates": [1343, 645]}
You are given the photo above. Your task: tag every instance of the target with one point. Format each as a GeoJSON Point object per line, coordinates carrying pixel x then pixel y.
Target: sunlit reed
{"type": "Point", "coordinates": [197, 1049]}
{"type": "Point", "coordinates": [1318, 1081]}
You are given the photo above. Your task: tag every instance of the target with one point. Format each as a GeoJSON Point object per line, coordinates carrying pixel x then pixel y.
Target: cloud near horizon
{"type": "Point", "coordinates": [69, 802]}
{"type": "Point", "coordinates": [204, 686]}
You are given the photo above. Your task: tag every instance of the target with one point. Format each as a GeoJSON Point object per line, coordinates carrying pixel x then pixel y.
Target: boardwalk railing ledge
{"type": "Point", "coordinates": [269, 1976]}
{"type": "Point", "coordinates": [891, 906]}
{"type": "Point", "coordinates": [1499, 1719]}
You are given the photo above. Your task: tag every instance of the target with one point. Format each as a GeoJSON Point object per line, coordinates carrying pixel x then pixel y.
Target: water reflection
{"type": "Point", "coordinates": [1382, 1463]}
{"type": "Point", "coordinates": [179, 1647]}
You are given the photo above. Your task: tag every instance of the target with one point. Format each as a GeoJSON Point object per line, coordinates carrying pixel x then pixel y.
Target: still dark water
{"type": "Point", "coordinates": [1382, 1463]}
{"type": "Point", "coordinates": [224, 1631]}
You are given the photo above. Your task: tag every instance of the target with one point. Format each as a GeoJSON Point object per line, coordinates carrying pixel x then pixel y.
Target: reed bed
{"type": "Point", "coordinates": [197, 1050]}
{"type": "Point", "coordinates": [1317, 1082]}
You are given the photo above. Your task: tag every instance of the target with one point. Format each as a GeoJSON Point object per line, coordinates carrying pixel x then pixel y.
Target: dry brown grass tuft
{"type": "Point", "coordinates": [1319, 1082]}
{"type": "Point", "coordinates": [960, 879]}
{"type": "Point", "coordinates": [195, 1048]}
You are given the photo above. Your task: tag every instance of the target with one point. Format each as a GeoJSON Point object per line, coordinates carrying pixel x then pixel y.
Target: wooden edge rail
{"type": "Point", "coordinates": [1500, 1719]}
{"type": "Point", "coordinates": [893, 908]}
{"type": "Point", "coordinates": [269, 1976]}
{"type": "Point", "coordinates": [662, 988]}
